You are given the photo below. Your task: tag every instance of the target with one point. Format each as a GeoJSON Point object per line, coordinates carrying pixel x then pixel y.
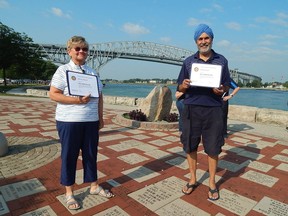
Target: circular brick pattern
{"type": "Point", "coordinates": [26, 154]}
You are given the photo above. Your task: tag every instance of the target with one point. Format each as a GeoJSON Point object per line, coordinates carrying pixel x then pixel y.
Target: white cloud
{"type": "Point", "coordinates": [4, 4]}
{"type": "Point", "coordinates": [218, 7]}
{"type": "Point", "coordinates": [214, 7]}
{"type": "Point", "coordinates": [265, 43]}
{"type": "Point", "coordinates": [58, 12]}
{"type": "Point", "coordinates": [165, 39]}
{"type": "Point", "coordinates": [270, 37]}
{"type": "Point", "coordinates": [90, 26]}
{"type": "Point", "coordinates": [281, 19]}
{"type": "Point", "coordinates": [194, 22]}
{"type": "Point", "coordinates": [224, 43]}
{"type": "Point", "coordinates": [131, 28]}
{"type": "Point", "coordinates": [234, 26]}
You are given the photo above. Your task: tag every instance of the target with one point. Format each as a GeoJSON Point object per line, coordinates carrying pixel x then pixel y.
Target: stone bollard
{"type": "Point", "coordinates": [3, 145]}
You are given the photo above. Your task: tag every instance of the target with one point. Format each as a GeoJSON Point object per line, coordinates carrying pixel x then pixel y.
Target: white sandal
{"type": "Point", "coordinates": [101, 192]}
{"type": "Point", "coordinates": [71, 201]}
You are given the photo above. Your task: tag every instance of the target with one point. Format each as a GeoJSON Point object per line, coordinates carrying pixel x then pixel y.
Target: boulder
{"type": "Point", "coordinates": [3, 145]}
{"type": "Point", "coordinates": [157, 105]}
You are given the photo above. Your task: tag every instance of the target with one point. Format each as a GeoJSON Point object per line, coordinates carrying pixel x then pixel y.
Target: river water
{"type": "Point", "coordinates": [262, 98]}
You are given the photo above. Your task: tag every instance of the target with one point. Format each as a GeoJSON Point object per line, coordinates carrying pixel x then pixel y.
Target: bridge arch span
{"type": "Point", "coordinates": [101, 53]}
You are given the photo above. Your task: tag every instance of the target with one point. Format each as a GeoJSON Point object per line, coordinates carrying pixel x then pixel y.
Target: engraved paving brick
{"type": "Point", "coordinates": [140, 173]}
{"type": "Point", "coordinates": [260, 178]}
{"type": "Point", "coordinates": [21, 189]}
{"type": "Point", "coordinates": [271, 207]}
{"type": "Point", "coordinates": [46, 210]}
{"type": "Point", "coordinates": [234, 203]}
{"type": "Point", "coordinates": [159, 194]}
{"type": "Point", "coordinates": [113, 211]}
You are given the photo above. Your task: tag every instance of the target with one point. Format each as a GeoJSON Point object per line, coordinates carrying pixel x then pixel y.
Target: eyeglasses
{"type": "Point", "coordinates": [84, 49]}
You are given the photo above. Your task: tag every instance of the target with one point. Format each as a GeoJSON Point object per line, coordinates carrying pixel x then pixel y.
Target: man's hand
{"type": "Point", "coordinates": [219, 91]}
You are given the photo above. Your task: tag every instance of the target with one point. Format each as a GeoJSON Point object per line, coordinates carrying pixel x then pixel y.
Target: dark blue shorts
{"type": "Point", "coordinates": [202, 122]}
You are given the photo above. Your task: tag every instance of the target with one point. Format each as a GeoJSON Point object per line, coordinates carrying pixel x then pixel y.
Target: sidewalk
{"type": "Point", "coordinates": [146, 170]}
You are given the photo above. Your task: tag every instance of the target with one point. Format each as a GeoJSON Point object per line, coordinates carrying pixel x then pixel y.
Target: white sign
{"type": "Point", "coordinates": [206, 75]}
{"type": "Point", "coordinates": [80, 84]}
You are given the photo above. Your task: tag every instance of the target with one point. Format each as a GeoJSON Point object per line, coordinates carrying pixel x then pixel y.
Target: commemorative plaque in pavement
{"type": "Point", "coordinates": [177, 150]}
{"type": "Point", "coordinates": [171, 138]}
{"type": "Point", "coordinates": [111, 137]}
{"type": "Point", "coordinates": [234, 203]}
{"type": "Point", "coordinates": [158, 134]}
{"type": "Point", "coordinates": [45, 211]}
{"type": "Point", "coordinates": [179, 162]}
{"type": "Point", "coordinates": [113, 211]}
{"type": "Point", "coordinates": [283, 167]}
{"type": "Point", "coordinates": [260, 178]}
{"type": "Point", "coordinates": [248, 136]}
{"type": "Point", "coordinates": [240, 140]}
{"type": "Point", "coordinates": [232, 167]}
{"type": "Point", "coordinates": [271, 207]}
{"type": "Point", "coordinates": [132, 158]}
{"type": "Point", "coordinates": [180, 207]}
{"type": "Point", "coordinates": [140, 173]}
{"type": "Point", "coordinates": [158, 154]}
{"type": "Point", "coordinates": [126, 145]}
{"type": "Point", "coordinates": [3, 206]}
{"type": "Point", "coordinates": [280, 158]}
{"type": "Point", "coordinates": [260, 166]}
{"type": "Point", "coordinates": [21, 189]}
{"type": "Point", "coordinates": [157, 195]}
{"type": "Point", "coordinates": [146, 148]}
{"type": "Point", "coordinates": [140, 137]}
{"type": "Point", "coordinates": [264, 144]}
{"type": "Point", "coordinates": [113, 182]}
{"type": "Point", "coordinates": [159, 142]}
{"type": "Point", "coordinates": [251, 155]}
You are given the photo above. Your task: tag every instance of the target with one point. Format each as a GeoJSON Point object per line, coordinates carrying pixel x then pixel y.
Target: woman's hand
{"type": "Point", "coordinates": [84, 99]}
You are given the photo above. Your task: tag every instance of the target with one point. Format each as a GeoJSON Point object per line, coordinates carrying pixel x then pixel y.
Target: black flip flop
{"type": "Point", "coordinates": [188, 186]}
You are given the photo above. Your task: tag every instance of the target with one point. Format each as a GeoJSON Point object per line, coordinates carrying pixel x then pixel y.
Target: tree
{"type": "Point", "coordinates": [16, 50]}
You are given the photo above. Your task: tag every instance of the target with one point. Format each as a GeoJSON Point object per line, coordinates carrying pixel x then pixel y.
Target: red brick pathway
{"type": "Point", "coordinates": [29, 127]}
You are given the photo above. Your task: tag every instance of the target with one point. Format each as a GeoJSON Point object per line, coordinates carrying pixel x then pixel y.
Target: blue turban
{"type": "Point", "coordinates": [203, 28]}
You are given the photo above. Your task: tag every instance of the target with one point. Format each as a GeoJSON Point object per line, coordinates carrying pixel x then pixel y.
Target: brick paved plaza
{"type": "Point", "coordinates": [145, 169]}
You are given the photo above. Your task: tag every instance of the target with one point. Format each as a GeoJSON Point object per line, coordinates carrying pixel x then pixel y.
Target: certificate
{"type": "Point", "coordinates": [206, 75]}
{"type": "Point", "coordinates": [80, 84]}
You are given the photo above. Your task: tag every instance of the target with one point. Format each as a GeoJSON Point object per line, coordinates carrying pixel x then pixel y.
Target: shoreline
{"type": "Point", "coordinates": [236, 112]}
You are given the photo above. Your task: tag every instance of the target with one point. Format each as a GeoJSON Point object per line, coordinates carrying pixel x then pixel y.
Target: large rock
{"type": "Point", "coordinates": [3, 145]}
{"type": "Point", "coordinates": [157, 105]}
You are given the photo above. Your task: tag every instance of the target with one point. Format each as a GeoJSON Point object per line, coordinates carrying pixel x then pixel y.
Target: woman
{"type": "Point", "coordinates": [78, 121]}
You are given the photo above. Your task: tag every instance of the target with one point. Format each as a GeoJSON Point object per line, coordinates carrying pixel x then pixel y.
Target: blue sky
{"type": "Point", "coordinates": [251, 34]}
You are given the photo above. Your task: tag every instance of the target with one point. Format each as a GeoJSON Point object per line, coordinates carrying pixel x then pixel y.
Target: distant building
{"type": "Point", "coordinates": [244, 78]}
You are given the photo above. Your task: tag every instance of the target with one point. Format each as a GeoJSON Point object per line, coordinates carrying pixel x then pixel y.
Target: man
{"type": "Point", "coordinates": [202, 114]}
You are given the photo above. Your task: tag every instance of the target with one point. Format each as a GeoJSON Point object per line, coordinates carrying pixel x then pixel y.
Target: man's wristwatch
{"type": "Point", "coordinates": [231, 95]}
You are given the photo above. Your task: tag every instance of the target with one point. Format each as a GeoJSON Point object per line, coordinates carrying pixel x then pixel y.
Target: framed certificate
{"type": "Point", "coordinates": [206, 75]}
{"type": "Point", "coordinates": [80, 84]}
